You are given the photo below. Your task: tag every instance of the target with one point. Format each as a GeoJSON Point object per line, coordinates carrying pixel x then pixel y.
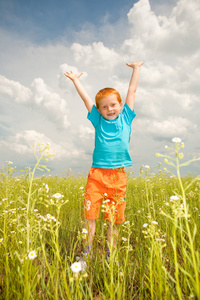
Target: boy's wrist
{"type": "Point", "coordinates": [74, 80]}
{"type": "Point", "coordinates": [136, 67]}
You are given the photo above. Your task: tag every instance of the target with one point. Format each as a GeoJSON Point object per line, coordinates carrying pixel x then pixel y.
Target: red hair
{"type": "Point", "coordinates": [105, 93]}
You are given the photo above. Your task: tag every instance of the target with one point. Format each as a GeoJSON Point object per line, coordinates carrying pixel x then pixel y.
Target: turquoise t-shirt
{"type": "Point", "coordinates": [112, 139]}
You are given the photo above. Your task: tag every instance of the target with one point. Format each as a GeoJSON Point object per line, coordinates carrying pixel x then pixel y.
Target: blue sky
{"type": "Point", "coordinates": [40, 40]}
{"type": "Point", "coordinates": [50, 20]}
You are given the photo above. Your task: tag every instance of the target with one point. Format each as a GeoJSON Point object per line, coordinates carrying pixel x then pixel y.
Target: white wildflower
{"type": "Point", "coordinates": [130, 248]}
{"type": "Point", "coordinates": [147, 167]}
{"type": "Point", "coordinates": [84, 230]}
{"type": "Point", "coordinates": [49, 217]}
{"type": "Point", "coordinates": [176, 140]}
{"type": "Point", "coordinates": [57, 196]}
{"type": "Point", "coordinates": [43, 218]}
{"type": "Point", "coordinates": [32, 254]}
{"type": "Point", "coordinates": [76, 267]}
{"type": "Point", "coordinates": [106, 201]}
{"type": "Point", "coordinates": [127, 222]}
{"type": "Point", "coordinates": [145, 225]}
{"type": "Point", "coordinates": [47, 188]}
{"type": "Point", "coordinates": [154, 222]}
{"type": "Point", "coordinates": [124, 239]}
{"type": "Point", "coordinates": [174, 198]}
{"type": "Point", "coordinates": [87, 205]}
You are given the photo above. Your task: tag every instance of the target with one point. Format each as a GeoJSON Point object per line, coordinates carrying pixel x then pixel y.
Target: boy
{"type": "Point", "coordinates": [107, 179]}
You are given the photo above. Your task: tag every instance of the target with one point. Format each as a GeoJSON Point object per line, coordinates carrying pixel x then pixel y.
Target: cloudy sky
{"type": "Point", "coordinates": [41, 40]}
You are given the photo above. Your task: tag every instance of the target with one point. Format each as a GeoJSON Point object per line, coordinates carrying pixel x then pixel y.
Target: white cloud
{"type": "Point", "coordinates": [86, 132]}
{"type": "Point", "coordinates": [52, 104]}
{"type": "Point", "coordinates": [156, 36]}
{"type": "Point", "coordinates": [14, 90]}
{"type": "Point", "coordinates": [166, 129]}
{"type": "Point", "coordinates": [23, 142]}
{"type": "Point", "coordinates": [84, 141]}
{"type": "Point", "coordinates": [167, 98]}
{"type": "Point", "coordinates": [143, 20]}
{"type": "Point", "coordinates": [95, 55]}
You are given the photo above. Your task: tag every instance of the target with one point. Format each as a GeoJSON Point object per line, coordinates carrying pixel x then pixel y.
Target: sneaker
{"type": "Point", "coordinates": [85, 255]}
{"type": "Point", "coordinates": [82, 262]}
{"type": "Point", "coordinates": [115, 260]}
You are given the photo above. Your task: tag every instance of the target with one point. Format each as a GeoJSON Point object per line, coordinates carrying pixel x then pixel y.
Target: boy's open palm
{"type": "Point", "coordinates": [135, 64]}
{"type": "Point", "coordinates": [72, 75]}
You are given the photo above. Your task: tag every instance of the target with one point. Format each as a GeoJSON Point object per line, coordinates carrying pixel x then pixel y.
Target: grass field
{"type": "Point", "coordinates": [41, 235]}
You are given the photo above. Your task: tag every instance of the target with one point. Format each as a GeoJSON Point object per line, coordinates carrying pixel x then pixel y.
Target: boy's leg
{"type": "Point", "coordinates": [112, 237]}
{"type": "Point", "coordinates": [90, 225]}
{"type": "Point", "coordinates": [113, 229]}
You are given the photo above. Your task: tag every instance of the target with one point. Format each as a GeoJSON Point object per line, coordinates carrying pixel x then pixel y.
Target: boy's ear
{"type": "Point", "coordinates": [99, 110]}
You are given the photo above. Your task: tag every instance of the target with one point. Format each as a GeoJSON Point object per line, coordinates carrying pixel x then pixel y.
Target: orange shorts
{"type": "Point", "coordinates": [106, 189]}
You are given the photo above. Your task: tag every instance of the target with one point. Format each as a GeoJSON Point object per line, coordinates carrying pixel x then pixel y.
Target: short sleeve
{"type": "Point", "coordinates": [128, 114]}
{"type": "Point", "coordinates": [94, 116]}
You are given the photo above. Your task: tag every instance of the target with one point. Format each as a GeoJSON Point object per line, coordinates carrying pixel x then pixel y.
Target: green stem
{"type": "Point", "coordinates": [28, 225]}
{"type": "Point", "coordinates": [178, 288]}
{"type": "Point", "coordinates": [189, 232]}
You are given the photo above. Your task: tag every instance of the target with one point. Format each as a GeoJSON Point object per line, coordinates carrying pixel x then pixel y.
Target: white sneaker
{"type": "Point", "coordinates": [83, 263]}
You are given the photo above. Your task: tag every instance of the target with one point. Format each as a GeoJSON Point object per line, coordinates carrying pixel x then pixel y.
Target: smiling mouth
{"type": "Point", "coordinates": [111, 114]}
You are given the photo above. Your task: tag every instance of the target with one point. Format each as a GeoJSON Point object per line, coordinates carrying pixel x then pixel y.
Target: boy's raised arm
{"type": "Point", "coordinates": [130, 98]}
{"type": "Point", "coordinates": [80, 89]}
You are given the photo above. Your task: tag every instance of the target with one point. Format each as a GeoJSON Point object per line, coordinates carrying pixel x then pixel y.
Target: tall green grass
{"type": "Point", "coordinates": [41, 235]}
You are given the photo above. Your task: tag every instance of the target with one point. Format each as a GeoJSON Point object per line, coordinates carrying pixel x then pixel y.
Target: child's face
{"type": "Point", "coordinates": [109, 107]}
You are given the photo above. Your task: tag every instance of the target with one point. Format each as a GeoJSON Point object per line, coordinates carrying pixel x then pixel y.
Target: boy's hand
{"type": "Point", "coordinates": [135, 64]}
{"type": "Point", "coordinates": [80, 89]}
{"type": "Point", "coordinates": [72, 75]}
{"type": "Point", "coordinates": [130, 98]}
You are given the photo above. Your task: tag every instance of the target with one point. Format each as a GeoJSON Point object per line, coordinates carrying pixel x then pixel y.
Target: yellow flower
{"type": "Point", "coordinates": [181, 155]}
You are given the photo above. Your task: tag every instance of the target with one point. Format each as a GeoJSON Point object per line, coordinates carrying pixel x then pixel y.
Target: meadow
{"type": "Point", "coordinates": [41, 235]}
